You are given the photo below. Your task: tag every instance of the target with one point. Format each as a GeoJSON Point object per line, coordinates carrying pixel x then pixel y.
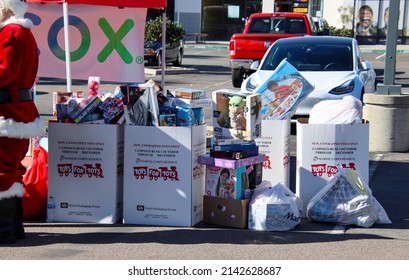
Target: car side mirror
{"type": "Point", "coordinates": [254, 65]}
{"type": "Point", "coordinates": [366, 65]}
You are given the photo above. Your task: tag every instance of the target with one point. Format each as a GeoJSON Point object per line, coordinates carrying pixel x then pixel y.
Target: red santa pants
{"type": "Point", "coordinates": [12, 152]}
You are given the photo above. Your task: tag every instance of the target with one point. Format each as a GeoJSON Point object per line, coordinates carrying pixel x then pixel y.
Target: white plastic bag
{"type": "Point", "coordinates": [346, 200]}
{"type": "Point", "coordinates": [274, 208]}
{"type": "Point", "coordinates": [347, 110]}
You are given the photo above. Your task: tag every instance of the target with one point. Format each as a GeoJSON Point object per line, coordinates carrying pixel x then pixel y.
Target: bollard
{"type": "Point", "coordinates": [388, 117]}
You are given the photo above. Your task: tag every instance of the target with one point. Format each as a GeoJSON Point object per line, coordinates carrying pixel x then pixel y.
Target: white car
{"type": "Point", "coordinates": [332, 64]}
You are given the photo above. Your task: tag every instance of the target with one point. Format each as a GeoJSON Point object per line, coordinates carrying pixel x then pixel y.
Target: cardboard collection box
{"type": "Point", "coordinates": [85, 172]}
{"type": "Point", "coordinates": [276, 145]}
{"type": "Point", "coordinates": [225, 212]}
{"type": "Point", "coordinates": [236, 115]}
{"type": "Point", "coordinates": [163, 182]}
{"type": "Point", "coordinates": [321, 148]}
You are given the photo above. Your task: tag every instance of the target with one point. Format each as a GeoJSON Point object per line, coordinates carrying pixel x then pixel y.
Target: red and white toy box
{"type": "Point", "coordinates": [85, 171]}
{"type": "Point", "coordinates": [321, 148]}
{"type": "Point", "coordinates": [163, 182]}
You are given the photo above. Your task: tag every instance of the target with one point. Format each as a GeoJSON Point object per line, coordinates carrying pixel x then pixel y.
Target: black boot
{"type": "Point", "coordinates": [19, 232]}
{"type": "Point", "coordinates": [8, 221]}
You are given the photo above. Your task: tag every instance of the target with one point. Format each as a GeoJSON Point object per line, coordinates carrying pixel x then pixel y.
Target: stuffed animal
{"type": "Point", "coordinates": [236, 112]}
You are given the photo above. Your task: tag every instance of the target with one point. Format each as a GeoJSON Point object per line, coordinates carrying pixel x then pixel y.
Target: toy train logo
{"type": "Point", "coordinates": [330, 170]}
{"type": "Point", "coordinates": [164, 172]}
{"type": "Point", "coordinates": [89, 170]}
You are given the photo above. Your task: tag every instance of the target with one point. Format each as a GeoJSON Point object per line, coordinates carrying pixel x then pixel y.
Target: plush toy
{"type": "Point", "coordinates": [236, 112]}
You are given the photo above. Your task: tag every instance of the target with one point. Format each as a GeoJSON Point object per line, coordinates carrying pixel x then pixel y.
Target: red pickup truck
{"type": "Point", "coordinates": [260, 31]}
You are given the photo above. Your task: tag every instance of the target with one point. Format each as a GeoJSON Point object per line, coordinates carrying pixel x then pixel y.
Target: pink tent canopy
{"type": "Point", "coordinates": [155, 4]}
{"type": "Point", "coordinates": [118, 3]}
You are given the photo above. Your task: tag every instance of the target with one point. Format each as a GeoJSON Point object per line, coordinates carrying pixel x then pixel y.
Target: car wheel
{"type": "Point", "coordinates": [237, 78]}
{"type": "Point", "coordinates": [178, 60]}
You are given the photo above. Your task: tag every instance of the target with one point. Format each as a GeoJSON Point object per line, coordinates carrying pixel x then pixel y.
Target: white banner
{"type": "Point", "coordinates": [104, 41]}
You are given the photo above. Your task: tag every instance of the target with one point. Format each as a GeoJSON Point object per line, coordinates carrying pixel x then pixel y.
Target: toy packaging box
{"type": "Point", "coordinates": [322, 147]}
{"type": "Point", "coordinates": [225, 182]}
{"type": "Point", "coordinates": [85, 171]}
{"type": "Point", "coordinates": [282, 92]}
{"type": "Point", "coordinates": [206, 159]}
{"type": "Point", "coordinates": [79, 110]}
{"type": "Point", "coordinates": [189, 103]}
{"type": "Point", "coordinates": [163, 182]}
{"type": "Point", "coordinates": [236, 115]}
{"type": "Point", "coordinates": [61, 97]}
{"type": "Point", "coordinates": [188, 93]}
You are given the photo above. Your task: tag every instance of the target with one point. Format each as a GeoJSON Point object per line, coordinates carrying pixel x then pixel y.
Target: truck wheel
{"type": "Point", "coordinates": [237, 78]}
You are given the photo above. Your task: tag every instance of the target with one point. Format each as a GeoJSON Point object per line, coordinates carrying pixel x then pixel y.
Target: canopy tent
{"type": "Point", "coordinates": [156, 4]}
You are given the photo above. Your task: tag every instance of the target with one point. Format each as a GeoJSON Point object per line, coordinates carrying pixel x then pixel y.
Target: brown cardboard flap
{"type": "Point", "coordinates": [225, 211]}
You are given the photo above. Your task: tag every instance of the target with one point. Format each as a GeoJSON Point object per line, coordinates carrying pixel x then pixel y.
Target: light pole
{"type": "Point", "coordinates": [388, 87]}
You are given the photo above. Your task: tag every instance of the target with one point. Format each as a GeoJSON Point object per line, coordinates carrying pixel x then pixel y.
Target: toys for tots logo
{"type": "Point", "coordinates": [90, 170]}
{"type": "Point", "coordinates": [163, 172]}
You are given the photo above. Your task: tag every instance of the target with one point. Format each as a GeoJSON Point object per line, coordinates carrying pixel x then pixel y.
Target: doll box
{"type": "Point", "coordinates": [236, 115]}
{"type": "Point", "coordinates": [225, 182]}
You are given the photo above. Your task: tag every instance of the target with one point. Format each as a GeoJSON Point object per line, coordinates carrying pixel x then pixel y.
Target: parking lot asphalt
{"type": "Point", "coordinates": [389, 182]}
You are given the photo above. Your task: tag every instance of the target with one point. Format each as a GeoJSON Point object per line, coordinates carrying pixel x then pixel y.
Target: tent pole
{"type": "Point", "coordinates": [67, 46]}
{"type": "Point", "coordinates": [163, 48]}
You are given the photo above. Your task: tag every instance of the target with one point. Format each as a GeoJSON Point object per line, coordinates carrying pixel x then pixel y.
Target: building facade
{"type": "Point", "coordinates": [222, 18]}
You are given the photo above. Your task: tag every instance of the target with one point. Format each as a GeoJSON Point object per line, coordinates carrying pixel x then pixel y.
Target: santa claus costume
{"type": "Point", "coordinates": [19, 118]}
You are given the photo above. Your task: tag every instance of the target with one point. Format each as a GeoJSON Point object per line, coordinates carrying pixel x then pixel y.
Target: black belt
{"type": "Point", "coordinates": [25, 95]}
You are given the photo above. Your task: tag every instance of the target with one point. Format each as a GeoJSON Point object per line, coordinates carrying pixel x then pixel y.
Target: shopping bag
{"type": "Point", "coordinates": [36, 186]}
{"type": "Point", "coordinates": [274, 208]}
{"type": "Point", "coordinates": [346, 200]}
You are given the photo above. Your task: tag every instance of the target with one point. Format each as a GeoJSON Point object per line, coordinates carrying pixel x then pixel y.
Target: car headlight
{"type": "Point", "coordinates": [251, 85]}
{"type": "Point", "coordinates": [346, 87]}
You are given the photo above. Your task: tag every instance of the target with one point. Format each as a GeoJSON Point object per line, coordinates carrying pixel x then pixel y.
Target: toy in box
{"type": "Point", "coordinates": [189, 103]}
{"type": "Point", "coordinates": [62, 97]}
{"type": "Point", "coordinates": [282, 92]}
{"type": "Point", "coordinates": [236, 115]}
{"type": "Point", "coordinates": [81, 109]}
{"type": "Point", "coordinates": [225, 182]}
{"type": "Point", "coordinates": [189, 93]}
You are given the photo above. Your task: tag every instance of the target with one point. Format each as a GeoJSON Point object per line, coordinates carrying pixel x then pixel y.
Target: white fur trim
{"type": "Point", "coordinates": [16, 190]}
{"type": "Point", "coordinates": [24, 22]}
{"type": "Point", "coordinates": [12, 129]}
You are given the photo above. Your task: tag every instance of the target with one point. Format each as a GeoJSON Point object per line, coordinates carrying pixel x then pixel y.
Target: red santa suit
{"type": "Point", "coordinates": [19, 118]}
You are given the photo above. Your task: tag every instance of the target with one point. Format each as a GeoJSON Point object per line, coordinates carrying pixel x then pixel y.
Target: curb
{"type": "Point", "coordinates": [364, 48]}
{"type": "Point", "coordinates": [170, 71]}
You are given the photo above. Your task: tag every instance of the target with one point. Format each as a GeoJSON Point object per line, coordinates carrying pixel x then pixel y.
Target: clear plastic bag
{"type": "Point", "coordinates": [274, 208]}
{"type": "Point", "coordinates": [346, 200]}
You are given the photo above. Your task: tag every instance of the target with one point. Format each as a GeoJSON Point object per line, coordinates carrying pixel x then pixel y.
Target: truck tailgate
{"type": "Point", "coordinates": [253, 45]}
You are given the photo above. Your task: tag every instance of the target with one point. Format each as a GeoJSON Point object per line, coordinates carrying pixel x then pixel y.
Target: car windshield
{"type": "Point", "coordinates": [311, 57]}
{"type": "Point", "coordinates": [277, 25]}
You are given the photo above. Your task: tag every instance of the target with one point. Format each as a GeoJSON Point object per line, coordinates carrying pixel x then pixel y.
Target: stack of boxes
{"type": "Point", "coordinates": [233, 164]}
